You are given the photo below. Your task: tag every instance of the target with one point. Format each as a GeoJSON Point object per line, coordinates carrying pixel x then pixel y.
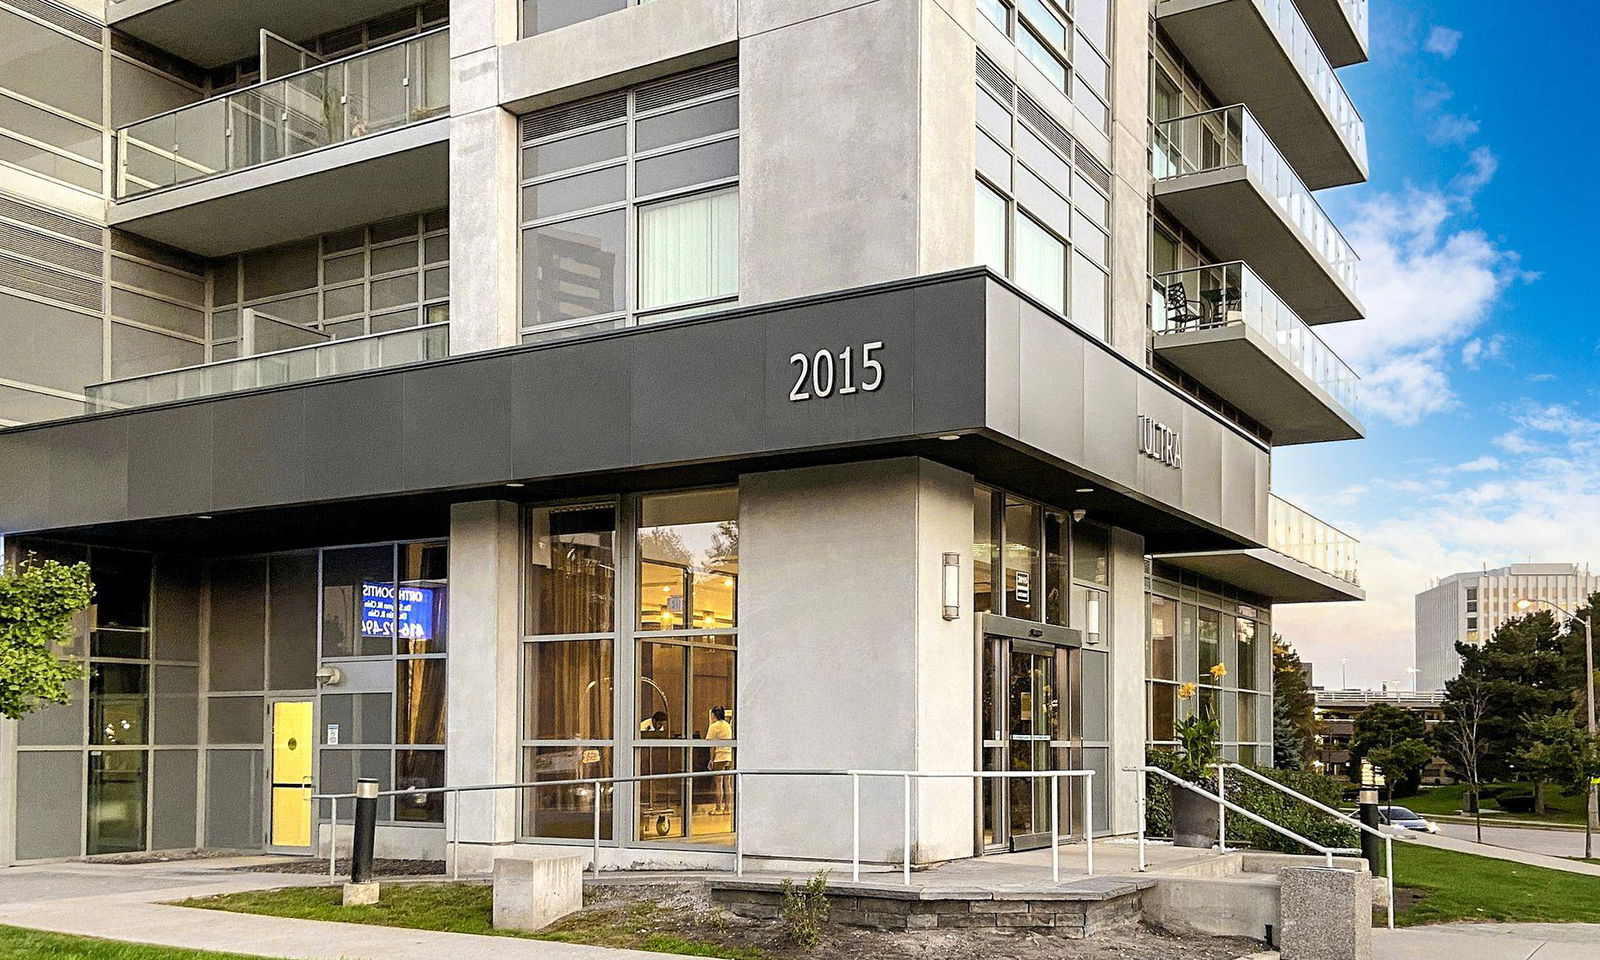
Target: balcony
{"type": "Point", "coordinates": [1221, 175]}
{"type": "Point", "coordinates": [1226, 328]}
{"type": "Point", "coordinates": [1304, 561]}
{"type": "Point", "coordinates": [333, 146]}
{"type": "Point", "coordinates": [297, 364]}
{"type": "Point", "coordinates": [210, 33]}
{"type": "Point", "coordinates": [1262, 52]}
{"type": "Point", "coordinates": [1340, 26]}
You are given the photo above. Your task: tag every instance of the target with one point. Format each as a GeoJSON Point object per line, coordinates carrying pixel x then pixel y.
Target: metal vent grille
{"type": "Point", "coordinates": [48, 249]}
{"type": "Point", "coordinates": [155, 253]}
{"type": "Point", "coordinates": [27, 277]}
{"type": "Point", "coordinates": [47, 220]}
{"type": "Point", "coordinates": [60, 16]}
{"type": "Point", "coordinates": [994, 79]}
{"type": "Point", "coordinates": [1093, 171]}
{"type": "Point", "coordinates": [1043, 124]}
{"type": "Point", "coordinates": [718, 79]}
{"type": "Point", "coordinates": [556, 120]}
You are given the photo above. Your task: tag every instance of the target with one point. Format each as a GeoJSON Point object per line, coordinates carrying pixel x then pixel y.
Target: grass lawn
{"type": "Point", "coordinates": [1460, 886]}
{"type": "Point", "coordinates": [1446, 801]}
{"type": "Point", "coordinates": [469, 908]}
{"type": "Point", "coordinates": [19, 944]}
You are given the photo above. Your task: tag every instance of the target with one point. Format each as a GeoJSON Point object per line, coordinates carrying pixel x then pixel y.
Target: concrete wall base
{"type": "Point", "coordinates": [529, 895]}
{"type": "Point", "coordinates": [1327, 914]}
{"type": "Point", "coordinates": [360, 894]}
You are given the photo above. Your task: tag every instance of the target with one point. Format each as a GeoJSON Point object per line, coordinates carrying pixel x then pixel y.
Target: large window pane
{"type": "Point", "coordinates": [1057, 569]}
{"type": "Point", "coordinates": [689, 560]}
{"type": "Point", "coordinates": [1089, 284]}
{"type": "Point", "coordinates": [542, 16]}
{"type": "Point", "coordinates": [689, 249]}
{"type": "Point", "coordinates": [566, 811]}
{"type": "Point", "coordinates": [712, 694]}
{"type": "Point", "coordinates": [116, 800]}
{"type": "Point", "coordinates": [661, 803]}
{"type": "Point", "coordinates": [576, 268]}
{"type": "Point", "coordinates": [1210, 642]}
{"type": "Point", "coordinates": [1245, 633]}
{"type": "Point", "coordinates": [119, 703]}
{"type": "Point", "coordinates": [585, 149]}
{"type": "Point", "coordinates": [50, 67]}
{"type": "Point", "coordinates": [1091, 554]}
{"type": "Point", "coordinates": [121, 592]}
{"type": "Point", "coordinates": [419, 770]}
{"type": "Point", "coordinates": [991, 229]}
{"type": "Point", "coordinates": [358, 613]}
{"type": "Point", "coordinates": [569, 690]}
{"type": "Point", "coordinates": [663, 708]}
{"type": "Point", "coordinates": [571, 570]}
{"type": "Point", "coordinates": [1041, 264]}
{"type": "Point", "coordinates": [419, 701]}
{"type": "Point", "coordinates": [691, 123]}
{"type": "Point", "coordinates": [355, 718]}
{"type": "Point", "coordinates": [597, 188]}
{"type": "Point", "coordinates": [706, 163]}
{"type": "Point", "coordinates": [983, 550]}
{"type": "Point", "coordinates": [292, 596]}
{"type": "Point", "coordinates": [711, 798]}
{"type": "Point", "coordinates": [422, 612]}
{"type": "Point", "coordinates": [1022, 560]}
{"type": "Point", "coordinates": [1163, 638]}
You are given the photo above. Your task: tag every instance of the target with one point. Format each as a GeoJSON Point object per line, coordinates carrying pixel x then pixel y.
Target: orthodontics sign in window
{"type": "Point", "coordinates": [381, 615]}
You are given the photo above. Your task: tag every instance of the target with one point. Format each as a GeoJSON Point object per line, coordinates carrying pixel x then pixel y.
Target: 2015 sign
{"type": "Point", "coordinates": [825, 374]}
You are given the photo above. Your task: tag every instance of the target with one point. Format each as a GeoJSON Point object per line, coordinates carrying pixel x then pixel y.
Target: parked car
{"type": "Point", "coordinates": [1393, 816]}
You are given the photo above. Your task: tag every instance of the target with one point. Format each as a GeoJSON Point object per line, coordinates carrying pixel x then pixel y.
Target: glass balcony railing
{"type": "Point", "coordinates": [1297, 534]}
{"type": "Point", "coordinates": [1230, 137]}
{"type": "Point", "coordinates": [1356, 11]}
{"type": "Point", "coordinates": [295, 365]}
{"type": "Point", "coordinates": [1230, 294]}
{"type": "Point", "coordinates": [1306, 52]}
{"type": "Point", "coordinates": [381, 89]}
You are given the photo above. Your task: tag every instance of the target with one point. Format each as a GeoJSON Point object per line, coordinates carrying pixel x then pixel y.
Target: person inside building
{"type": "Point", "coordinates": [721, 757]}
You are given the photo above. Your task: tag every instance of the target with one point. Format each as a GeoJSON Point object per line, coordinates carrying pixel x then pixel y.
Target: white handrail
{"type": "Point", "coordinates": [452, 797]}
{"type": "Point", "coordinates": [1388, 839]}
{"type": "Point", "coordinates": [1327, 852]}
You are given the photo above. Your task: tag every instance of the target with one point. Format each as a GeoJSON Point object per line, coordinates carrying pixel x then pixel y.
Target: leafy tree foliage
{"type": "Point", "coordinates": [37, 603]}
{"type": "Point", "coordinates": [1561, 752]}
{"type": "Point", "coordinates": [1524, 672]}
{"type": "Point", "coordinates": [1294, 714]}
{"type": "Point", "coordinates": [1396, 740]}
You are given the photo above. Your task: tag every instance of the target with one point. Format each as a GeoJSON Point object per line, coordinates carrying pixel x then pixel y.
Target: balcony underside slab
{"type": "Point", "coordinates": [361, 181]}
{"type": "Point", "coordinates": [1245, 368]}
{"type": "Point", "coordinates": [1280, 578]}
{"type": "Point", "coordinates": [1234, 216]}
{"type": "Point", "coordinates": [1241, 59]}
{"type": "Point", "coordinates": [210, 33]}
{"type": "Point", "coordinates": [1340, 41]}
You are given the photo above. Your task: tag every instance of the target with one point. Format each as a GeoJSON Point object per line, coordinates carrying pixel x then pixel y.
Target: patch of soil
{"type": "Point", "coordinates": [1404, 899]}
{"type": "Point", "coordinates": [163, 856]}
{"type": "Point", "coordinates": [380, 868]}
{"type": "Point", "coordinates": [615, 913]}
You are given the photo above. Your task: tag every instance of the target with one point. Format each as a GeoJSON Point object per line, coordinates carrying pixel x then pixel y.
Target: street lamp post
{"type": "Point", "coordinates": [1592, 822]}
{"type": "Point", "coordinates": [1343, 682]}
{"type": "Point", "coordinates": [1413, 671]}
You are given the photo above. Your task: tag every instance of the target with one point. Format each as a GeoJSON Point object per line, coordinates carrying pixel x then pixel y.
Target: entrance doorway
{"type": "Point", "coordinates": [1028, 725]}
{"type": "Point", "coordinates": [293, 730]}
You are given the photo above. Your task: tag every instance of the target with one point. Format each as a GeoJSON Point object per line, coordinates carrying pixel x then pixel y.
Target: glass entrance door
{"type": "Point", "coordinates": [1025, 723]}
{"type": "Point", "coordinates": [290, 796]}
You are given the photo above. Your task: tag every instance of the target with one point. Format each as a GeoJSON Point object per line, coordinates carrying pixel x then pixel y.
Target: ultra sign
{"type": "Point", "coordinates": [1160, 443]}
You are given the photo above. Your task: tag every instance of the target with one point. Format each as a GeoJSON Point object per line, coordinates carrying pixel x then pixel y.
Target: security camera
{"type": "Point", "coordinates": [1079, 514]}
{"type": "Point", "coordinates": [329, 676]}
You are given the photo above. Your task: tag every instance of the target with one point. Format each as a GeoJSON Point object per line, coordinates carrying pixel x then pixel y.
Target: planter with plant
{"type": "Point", "coordinates": [1195, 819]}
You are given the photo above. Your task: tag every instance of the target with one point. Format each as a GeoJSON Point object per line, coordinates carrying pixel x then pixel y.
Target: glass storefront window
{"type": "Point", "coordinates": [984, 543]}
{"type": "Point", "coordinates": [688, 545]}
{"type": "Point", "coordinates": [1210, 642]}
{"type": "Point", "coordinates": [117, 800]}
{"type": "Point", "coordinates": [1022, 552]}
{"type": "Point", "coordinates": [1163, 710]}
{"type": "Point", "coordinates": [1091, 554]}
{"type": "Point", "coordinates": [119, 703]}
{"type": "Point", "coordinates": [1245, 633]}
{"type": "Point", "coordinates": [419, 770]}
{"type": "Point", "coordinates": [423, 590]}
{"type": "Point", "coordinates": [566, 812]}
{"type": "Point", "coordinates": [571, 570]}
{"type": "Point", "coordinates": [1163, 639]}
{"type": "Point", "coordinates": [358, 614]}
{"type": "Point", "coordinates": [569, 690]}
{"type": "Point", "coordinates": [1057, 569]}
{"type": "Point", "coordinates": [419, 701]}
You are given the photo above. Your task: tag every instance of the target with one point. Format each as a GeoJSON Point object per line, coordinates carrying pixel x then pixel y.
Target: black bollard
{"type": "Point", "coordinates": [366, 828]}
{"type": "Point", "coordinates": [1370, 843]}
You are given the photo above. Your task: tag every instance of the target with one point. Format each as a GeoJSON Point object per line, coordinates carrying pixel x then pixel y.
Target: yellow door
{"type": "Point", "coordinates": [292, 732]}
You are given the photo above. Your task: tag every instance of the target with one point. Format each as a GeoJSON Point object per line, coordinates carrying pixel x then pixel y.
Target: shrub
{"type": "Point", "coordinates": [1262, 800]}
{"type": "Point", "coordinates": [805, 910]}
{"type": "Point", "coordinates": [1515, 803]}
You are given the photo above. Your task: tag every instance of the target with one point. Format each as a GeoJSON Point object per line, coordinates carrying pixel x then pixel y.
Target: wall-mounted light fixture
{"type": "Point", "coordinates": [1091, 620]}
{"type": "Point", "coordinates": [951, 586]}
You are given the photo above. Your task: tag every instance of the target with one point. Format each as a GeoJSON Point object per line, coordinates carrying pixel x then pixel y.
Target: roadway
{"type": "Point", "coordinates": [1552, 843]}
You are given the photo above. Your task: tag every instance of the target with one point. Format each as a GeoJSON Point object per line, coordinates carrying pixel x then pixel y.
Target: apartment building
{"type": "Point", "coordinates": [544, 392]}
{"type": "Point", "coordinates": [1469, 607]}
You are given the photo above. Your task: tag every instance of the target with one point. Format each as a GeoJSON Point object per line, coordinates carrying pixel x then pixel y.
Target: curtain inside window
{"type": "Point", "coordinates": [991, 229]}
{"type": "Point", "coordinates": [1041, 264]}
{"type": "Point", "coordinates": [689, 249]}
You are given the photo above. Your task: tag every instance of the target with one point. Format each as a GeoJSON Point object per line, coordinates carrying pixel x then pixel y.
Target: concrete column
{"type": "Point", "coordinates": [485, 280]}
{"type": "Point", "coordinates": [8, 792]}
{"type": "Point", "coordinates": [1127, 695]}
{"type": "Point", "coordinates": [481, 732]}
{"type": "Point", "coordinates": [846, 661]}
{"type": "Point", "coordinates": [1130, 183]}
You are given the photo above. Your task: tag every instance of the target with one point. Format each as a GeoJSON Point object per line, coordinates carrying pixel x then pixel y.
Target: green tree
{"type": "Point", "coordinates": [1294, 714]}
{"type": "Point", "coordinates": [1524, 673]}
{"type": "Point", "coordinates": [1396, 740]}
{"type": "Point", "coordinates": [1560, 752]}
{"type": "Point", "coordinates": [38, 600]}
{"type": "Point", "coordinates": [1460, 739]}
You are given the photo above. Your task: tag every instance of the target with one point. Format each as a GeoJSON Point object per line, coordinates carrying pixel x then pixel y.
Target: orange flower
{"type": "Point", "coordinates": [1218, 671]}
{"type": "Point", "coordinates": [1186, 692]}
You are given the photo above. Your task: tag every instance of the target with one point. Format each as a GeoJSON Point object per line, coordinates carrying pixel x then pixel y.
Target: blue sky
{"type": "Point", "coordinates": [1483, 322]}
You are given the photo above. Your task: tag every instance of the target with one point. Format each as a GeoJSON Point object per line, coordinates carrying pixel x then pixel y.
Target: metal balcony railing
{"type": "Point", "coordinates": [295, 365]}
{"type": "Point", "coordinates": [1306, 52]}
{"type": "Point", "coordinates": [1231, 137]}
{"type": "Point", "coordinates": [1297, 534]}
{"type": "Point", "coordinates": [1356, 10]}
{"type": "Point", "coordinates": [1230, 294]}
{"type": "Point", "coordinates": [381, 89]}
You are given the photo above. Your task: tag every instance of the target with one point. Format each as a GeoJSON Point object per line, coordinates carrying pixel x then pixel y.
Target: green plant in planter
{"type": "Point", "coordinates": [1199, 734]}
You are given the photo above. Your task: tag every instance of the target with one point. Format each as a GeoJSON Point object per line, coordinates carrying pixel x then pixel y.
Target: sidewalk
{"type": "Point", "coordinates": [1490, 941]}
{"type": "Point", "coordinates": [127, 904]}
{"type": "Point", "coordinates": [1503, 853]}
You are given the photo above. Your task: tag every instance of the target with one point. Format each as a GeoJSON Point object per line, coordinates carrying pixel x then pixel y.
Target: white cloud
{"type": "Point", "coordinates": [1541, 377]}
{"type": "Point", "coordinates": [1442, 42]}
{"type": "Point", "coordinates": [1543, 503]}
{"type": "Point", "coordinates": [1452, 128]}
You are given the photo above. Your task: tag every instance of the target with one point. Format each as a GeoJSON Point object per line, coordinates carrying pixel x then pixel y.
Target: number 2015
{"type": "Point", "coordinates": [827, 374]}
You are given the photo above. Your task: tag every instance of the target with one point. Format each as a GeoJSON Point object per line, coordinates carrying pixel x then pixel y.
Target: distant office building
{"type": "Point", "coordinates": [1469, 606]}
{"type": "Point", "coordinates": [1337, 711]}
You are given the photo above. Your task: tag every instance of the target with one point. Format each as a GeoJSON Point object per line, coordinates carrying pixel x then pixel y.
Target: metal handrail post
{"type": "Point", "coordinates": [1055, 829]}
{"type": "Point", "coordinates": [1088, 818]}
{"type": "Point", "coordinates": [1263, 821]}
{"type": "Point", "coordinates": [333, 837]}
{"type": "Point", "coordinates": [1222, 810]}
{"type": "Point", "coordinates": [907, 784]}
{"type": "Point", "coordinates": [454, 798]}
{"type": "Point", "coordinates": [738, 821]}
{"type": "Point", "coordinates": [855, 831]}
{"type": "Point", "coordinates": [1144, 811]}
{"type": "Point", "coordinates": [1388, 869]}
{"type": "Point", "coordinates": [596, 799]}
